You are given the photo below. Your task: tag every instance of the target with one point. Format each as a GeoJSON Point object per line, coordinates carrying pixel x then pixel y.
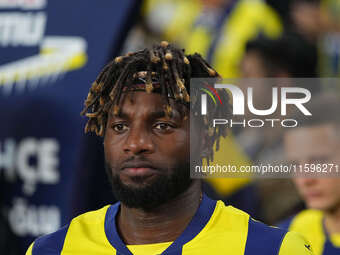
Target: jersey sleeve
{"type": "Point", "coordinates": [29, 251]}
{"type": "Point", "coordinates": [294, 243]}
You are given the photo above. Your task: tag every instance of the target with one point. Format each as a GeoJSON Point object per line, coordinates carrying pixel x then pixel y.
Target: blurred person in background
{"type": "Point", "coordinates": [286, 57]}
{"type": "Point", "coordinates": [329, 42]}
{"type": "Point", "coordinates": [317, 22]}
{"type": "Point", "coordinates": [317, 141]}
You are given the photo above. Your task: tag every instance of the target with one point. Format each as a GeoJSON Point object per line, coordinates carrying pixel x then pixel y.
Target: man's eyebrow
{"type": "Point", "coordinates": [157, 114]}
{"type": "Point", "coordinates": [121, 115]}
{"type": "Point", "coordinates": [152, 115]}
{"type": "Point", "coordinates": [161, 114]}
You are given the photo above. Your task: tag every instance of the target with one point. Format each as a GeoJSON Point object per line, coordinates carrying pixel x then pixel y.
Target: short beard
{"type": "Point", "coordinates": [162, 190]}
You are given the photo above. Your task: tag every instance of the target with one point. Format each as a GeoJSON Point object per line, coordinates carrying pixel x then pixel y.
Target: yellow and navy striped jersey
{"type": "Point", "coordinates": [310, 224]}
{"type": "Point", "coordinates": [214, 229]}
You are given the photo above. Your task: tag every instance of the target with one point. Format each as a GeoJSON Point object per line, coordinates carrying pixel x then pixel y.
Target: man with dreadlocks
{"type": "Point", "coordinates": [140, 104]}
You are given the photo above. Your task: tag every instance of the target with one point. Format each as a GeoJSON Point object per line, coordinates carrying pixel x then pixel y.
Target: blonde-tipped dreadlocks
{"type": "Point", "coordinates": [173, 71]}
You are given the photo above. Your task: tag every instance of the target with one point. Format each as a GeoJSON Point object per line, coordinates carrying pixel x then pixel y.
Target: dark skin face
{"type": "Point", "coordinates": [140, 145]}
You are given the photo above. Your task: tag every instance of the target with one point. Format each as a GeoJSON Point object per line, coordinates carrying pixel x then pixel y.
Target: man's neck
{"type": "Point", "coordinates": [332, 221]}
{"type": "Point", "coordinates": [163, 224]}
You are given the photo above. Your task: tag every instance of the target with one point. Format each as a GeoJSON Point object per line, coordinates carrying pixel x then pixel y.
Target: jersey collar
{"type": "Point", "coordinates": [198, 222]}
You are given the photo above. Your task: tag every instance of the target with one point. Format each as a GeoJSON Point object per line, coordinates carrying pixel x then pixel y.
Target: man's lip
{"type": "Point", "coordinates": [137, 164]}
{"type": "Point", "coordinates": [139, 171]}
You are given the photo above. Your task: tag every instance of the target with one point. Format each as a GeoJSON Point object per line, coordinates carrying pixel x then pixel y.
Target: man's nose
{"type": "Point", "coordinates": [139, 141]}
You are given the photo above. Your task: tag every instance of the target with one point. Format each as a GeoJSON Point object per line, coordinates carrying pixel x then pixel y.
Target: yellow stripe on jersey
{"type": "Point", "coordinates": [226, 231]}
{"type": "Point", "coordinates": [29, 251]}
{"type": "Point", "coordinates": [309, 224]}
{"type": "Point", "coordinates": [86, 235]}
{"type": "Point", "coordinates": [148, 249]}
{"type": "Point", "coordinates": [293, 243]}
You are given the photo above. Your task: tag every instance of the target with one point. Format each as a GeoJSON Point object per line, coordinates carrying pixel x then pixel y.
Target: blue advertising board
{"type": "Point", "coordinates": [50, 53]}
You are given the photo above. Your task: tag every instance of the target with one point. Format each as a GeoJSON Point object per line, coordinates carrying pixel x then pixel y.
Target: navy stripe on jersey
{"type": "Point", "coordinates": [263, 239]}
{"type": "Point", "coordinates": [51, 244]}
{"type": "Point", "coordinates": [198, 222]}
{"type": "Point", "coordinates": [111, 230]}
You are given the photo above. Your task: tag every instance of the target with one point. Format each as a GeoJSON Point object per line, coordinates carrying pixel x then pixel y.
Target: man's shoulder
{"type": "Point", "coordinates": [53, 243]}
{"type": "Point", "coordinates": [255, 232]}
{"type": "Point", "coordinates": [265, 239]}
{"type": "Point", "coordinates": [241, 217]}
{"type": "Point", "coordinates": [49, 244]}
{"type": "Point", "coordinates": [231, 212]}
{"type": "Point", "coordinates": [259, 238]}
{"type": "Point", "coordinates": [252, 225]}
{"type": "Point", "coordinates": [91, 217]}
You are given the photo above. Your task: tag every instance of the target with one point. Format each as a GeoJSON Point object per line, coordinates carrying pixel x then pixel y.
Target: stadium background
{"type": "Point", "coordinates": [50, 52]}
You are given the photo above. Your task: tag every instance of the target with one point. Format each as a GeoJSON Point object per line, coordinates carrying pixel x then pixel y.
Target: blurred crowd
{"type": "Point", "coordinates": [302, 33]}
